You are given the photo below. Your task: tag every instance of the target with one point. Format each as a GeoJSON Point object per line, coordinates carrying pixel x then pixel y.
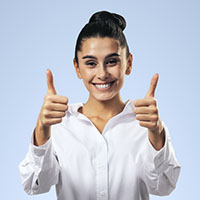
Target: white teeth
{"type": "Point", "coordinates": [103, 85]}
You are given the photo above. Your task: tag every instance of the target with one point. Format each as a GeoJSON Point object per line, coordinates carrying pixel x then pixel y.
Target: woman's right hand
{"type": "Point", "coordinates": [53, 110]}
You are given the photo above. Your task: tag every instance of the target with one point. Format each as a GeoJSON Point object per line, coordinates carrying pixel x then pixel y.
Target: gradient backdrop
{"type": "Point", "coordinates": [39, 34]}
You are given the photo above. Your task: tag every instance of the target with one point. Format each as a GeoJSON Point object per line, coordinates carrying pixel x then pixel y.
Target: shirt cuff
{"type": "Point", "coordinates": [158, 160]}
{"type": "Point", "coordinates": [40, 155]}
{"type": "Point", "coordinates": [39, 150]}
{"type": "Point", "coordinates": [160, 166]}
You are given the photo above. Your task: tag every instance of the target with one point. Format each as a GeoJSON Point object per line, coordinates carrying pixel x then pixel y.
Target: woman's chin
{"type": "Point", "coordinates": [104, 97]}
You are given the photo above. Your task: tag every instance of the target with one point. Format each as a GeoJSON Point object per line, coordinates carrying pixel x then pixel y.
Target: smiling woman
{"type": "Point", "coordinates": [105, 148]}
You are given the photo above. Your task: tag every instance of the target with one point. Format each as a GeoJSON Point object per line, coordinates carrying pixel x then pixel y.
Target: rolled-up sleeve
{"type": "Point", "coordinates": [160, 168]}
{"type": "Point", "coordinates": [40, 168]}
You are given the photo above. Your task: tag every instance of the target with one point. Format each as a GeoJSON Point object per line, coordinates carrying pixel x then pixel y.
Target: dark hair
{"type": "Point", "coordinates": [103, 24]}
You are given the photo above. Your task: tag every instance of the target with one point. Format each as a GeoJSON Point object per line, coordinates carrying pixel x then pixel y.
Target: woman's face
{"type": "Point", "coordinates": [102, 66]}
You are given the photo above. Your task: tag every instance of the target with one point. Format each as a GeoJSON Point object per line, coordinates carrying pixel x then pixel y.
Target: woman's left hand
{"type": "Point", "coordinates": [146, 111]}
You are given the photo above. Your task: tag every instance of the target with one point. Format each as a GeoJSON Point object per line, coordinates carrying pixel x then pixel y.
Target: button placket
{"type": "Point", "coordinates": [102, 170]}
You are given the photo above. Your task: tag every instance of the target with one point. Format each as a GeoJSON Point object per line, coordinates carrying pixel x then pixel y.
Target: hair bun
{"type": "Point", "coordinates": [107, 16]}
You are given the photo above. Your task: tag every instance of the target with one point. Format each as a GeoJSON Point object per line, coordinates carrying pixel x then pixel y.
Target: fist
{"type": "Point", "coordinates": [54, 107]}
{"type": "Point", "coordinates": [146, 109]}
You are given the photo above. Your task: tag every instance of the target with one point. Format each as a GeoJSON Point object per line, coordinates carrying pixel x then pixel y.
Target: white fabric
{"type": "Point", "coordinates": [119, 164]}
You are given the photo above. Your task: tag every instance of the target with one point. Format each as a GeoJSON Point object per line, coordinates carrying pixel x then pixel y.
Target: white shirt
{"type": "Point", "coordinates": [119, 164]}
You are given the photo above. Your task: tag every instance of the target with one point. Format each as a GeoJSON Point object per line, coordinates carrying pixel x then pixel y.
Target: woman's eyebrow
{"type": "Point", "coordinates": [108, 56]}
{"type": "Point", "coordinates": [84, 57]}
{"type": "Point", "coordinates": [112, 54]}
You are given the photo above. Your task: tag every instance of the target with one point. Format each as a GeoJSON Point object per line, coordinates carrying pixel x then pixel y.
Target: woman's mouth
{"type": "Point", "coordinates": [103, 86]}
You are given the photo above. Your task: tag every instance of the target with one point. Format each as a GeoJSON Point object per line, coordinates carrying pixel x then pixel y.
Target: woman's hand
{"type": "Point", "coordinates": [146, 111]}
{"type": "Point", "coordinates": [52, 111]}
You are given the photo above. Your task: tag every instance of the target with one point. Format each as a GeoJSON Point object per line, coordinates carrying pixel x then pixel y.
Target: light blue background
{"type": "Point", "coordinates": [40, 34]}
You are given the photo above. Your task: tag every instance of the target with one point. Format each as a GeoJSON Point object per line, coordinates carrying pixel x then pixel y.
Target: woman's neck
{"type": "Point", "coordinates": [103, 109]}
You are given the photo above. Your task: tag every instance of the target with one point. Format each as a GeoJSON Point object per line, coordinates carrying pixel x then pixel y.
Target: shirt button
{"type": "Point", "coordinates": [101, 166]}
{"type": "Point", "coordinates": [102, 193]}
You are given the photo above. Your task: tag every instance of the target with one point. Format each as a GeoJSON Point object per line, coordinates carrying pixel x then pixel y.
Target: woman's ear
{"type": "Point", "coordinates": [129, 64]}
{"type": "Point", "coordinates": [77, 69]}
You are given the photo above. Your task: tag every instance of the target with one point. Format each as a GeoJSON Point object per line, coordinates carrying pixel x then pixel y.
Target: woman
{"type": "Point", "coordinates": [105, 148]}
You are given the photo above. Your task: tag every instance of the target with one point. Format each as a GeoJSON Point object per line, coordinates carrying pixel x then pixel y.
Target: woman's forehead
{"type": "Point", "coordinates": [100, 47]}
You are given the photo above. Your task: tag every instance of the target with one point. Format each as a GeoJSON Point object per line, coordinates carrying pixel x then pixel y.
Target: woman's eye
{"type": "Point", "coordinates": [111, 62]}
{"type": "Point", "coordinates": [92, 64]}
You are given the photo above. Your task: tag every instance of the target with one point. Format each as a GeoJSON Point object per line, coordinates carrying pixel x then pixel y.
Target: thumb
{"type": "Point", "coordinates": [50, 85]}
{"type": "Point", "coordinates": [152, 88]}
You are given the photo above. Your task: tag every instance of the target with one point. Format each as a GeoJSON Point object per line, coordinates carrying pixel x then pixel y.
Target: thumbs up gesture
{"type": "Point", "coordinates": [52, 111]}
{"type": "Point", "coordinates": [146, 111]}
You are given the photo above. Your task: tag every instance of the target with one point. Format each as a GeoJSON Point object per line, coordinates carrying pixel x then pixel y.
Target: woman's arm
{"type": "Point", "coordinates": [159, 169]}
{"type": "Point", "coordinates": [39, 170]}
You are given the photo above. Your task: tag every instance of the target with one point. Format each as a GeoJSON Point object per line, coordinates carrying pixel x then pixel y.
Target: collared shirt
{"type": "Point", "coordinates": [119, 164]}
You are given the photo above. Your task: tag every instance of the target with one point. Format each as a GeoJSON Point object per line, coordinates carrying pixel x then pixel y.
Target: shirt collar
{"type": "Point", "coordinates": [129, 106]}
{"type": "Point", "coordinates": [73, 108]}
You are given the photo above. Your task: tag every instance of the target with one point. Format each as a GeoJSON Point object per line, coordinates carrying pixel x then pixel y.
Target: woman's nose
{"type": "Point", "coordinates": [102, 72]}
